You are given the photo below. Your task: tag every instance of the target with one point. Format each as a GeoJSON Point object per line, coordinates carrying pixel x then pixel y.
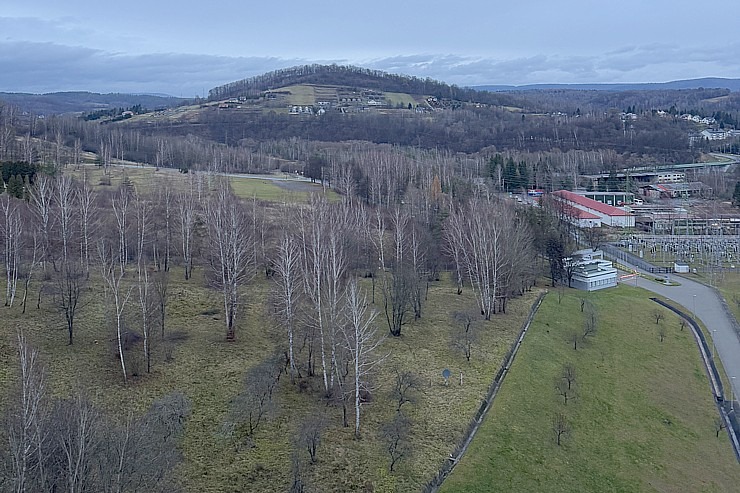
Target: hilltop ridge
{"type": "Point", "coordinates": [352, 76]}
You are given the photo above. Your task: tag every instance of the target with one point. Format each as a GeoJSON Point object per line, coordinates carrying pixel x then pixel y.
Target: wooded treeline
{"type": "Point", "coordinates": [355, 77]}
{"type": "Point", "coordinates": [238, 141]}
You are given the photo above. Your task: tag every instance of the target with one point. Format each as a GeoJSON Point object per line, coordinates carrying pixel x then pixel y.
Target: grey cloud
{"type": "Point", "coordinates": [47, 67]}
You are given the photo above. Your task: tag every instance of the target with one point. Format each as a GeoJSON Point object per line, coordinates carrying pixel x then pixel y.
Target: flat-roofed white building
{"type": "Point", "coordinates": [592, 275]}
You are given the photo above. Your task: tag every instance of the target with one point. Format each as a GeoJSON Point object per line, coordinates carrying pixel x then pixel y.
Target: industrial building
{"type": "Point", "coordinates": [608, 215]}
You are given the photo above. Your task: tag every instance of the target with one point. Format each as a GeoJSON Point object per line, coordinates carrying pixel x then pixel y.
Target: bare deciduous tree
{"type": "Point", "coordinates": [719, 425]}
{"type": "Point", "coordinates": [41, 202]}
{"type": "Point", "coordinates": [397, 293]}
{"type": "Point", "coordinates": [231, 252]}
{"type": "Point", "coordinates": [297, 486]}
{"type": "Point", "coordinates": [362, 343]}
{"type": "Point", "coordinates": [85, 200]}
{"type": "Point", "coordinates": [313, 260]}
{"type": "Point", "coordinates": [309, 434]}
{"type": "Point", "coordinates": [453, 247]}
{"type": "Point", "coordinates": [118, 292]}
{"type": "Point", "coordinates": [24, 427]}
{"type": "Point", "coordinates": [466, 334]}
{"type": "Point", "coordinates": [491, 246]}
{"type": "Point", "coordinates": [658, 315]}
{"type": "Point", "coordinates": [142, 208]}
{"type": "Point", "coordinates": [166, 206]}
{"type": "Point", "coordinates": [563, 389]}
{"type": "Point", "coordinates": [258, 398]}
{"type": "Point", "coordinates": [13, 244]}
{"type": "Point", "coordinates": [406, 389]}
{"type": "Point", "coordinates": [186, 212]}
{"type": "Point", "coordinates": [141, 452]}
{"type": "Point", "coordinates": [30, 268]}
{"type": "Point", "coordinates": [77, 433]}
{"type": "Point", "coordinates": [396, 284]}
{"type": "Point", "coordinates": [590, 320]}
{"type": "Point", "coordinates": [64, 198]}
{"type": "Point", "coordinates": [569, 373]}
{"type": "Point", "coordinates": [120, 204]}
{"type": "Point", "coordinates": [574, 337]}
{"type": "Point", "coordinates": [335, 278]}
{"type": "Point", "coordinates": [161, 283]}
{"type": "Point", "coordinates": [560, 427]}
{"type": "Point", "coordinates": [288, 290]}
{"type": "Point", "coordinates": [70, 286]}
{"type": "Point", "coordinates": [417, 253]}
{"type": "Point", "coordinates": [397, 440]}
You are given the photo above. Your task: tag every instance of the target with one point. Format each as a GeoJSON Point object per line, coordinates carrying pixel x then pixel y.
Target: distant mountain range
{"type": "Point", "coordinates": [349, 76]}
{"type": "Point", "coordinates": [705, 83]}
{"type": "Point", "coordinates": [82, 102]}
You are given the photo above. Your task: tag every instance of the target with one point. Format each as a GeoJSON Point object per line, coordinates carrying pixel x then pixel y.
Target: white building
{"type": "Point", "coordinates": [609, 215]}
{"type": "Point", "coordinates": [714, 134]}
{"type": "Point", "coordinates": [671, 177]}
{"type": "Point", "coordinates": [680, 267]}
{"type": "Point", "coordinates": [594, 274]}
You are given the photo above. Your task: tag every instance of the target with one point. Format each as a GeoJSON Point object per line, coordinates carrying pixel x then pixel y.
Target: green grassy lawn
{"type": "Point", "coordinates": [210, 372]}
{"type": "Point", "coordinates": [394, 98]}
{"type": "Point", "coordinates": [641, 420]}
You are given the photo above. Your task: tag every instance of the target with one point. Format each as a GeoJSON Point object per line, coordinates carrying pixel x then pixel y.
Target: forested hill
{"type": "Point", "coordinates": [350, 76]}
{"type": "Point", "coordinates": [83, 101]}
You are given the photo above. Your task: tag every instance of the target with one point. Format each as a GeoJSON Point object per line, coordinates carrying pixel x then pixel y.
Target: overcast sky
{"type": "Point", "coordinates": [184, 48]}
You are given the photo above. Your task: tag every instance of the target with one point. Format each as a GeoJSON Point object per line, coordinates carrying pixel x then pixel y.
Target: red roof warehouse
{"type": "Point", "coordinates": [609, 215]}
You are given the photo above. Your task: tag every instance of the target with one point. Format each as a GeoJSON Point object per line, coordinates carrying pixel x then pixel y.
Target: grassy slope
{"type": "Point", "coordinates": [642, 419]}
{"type": "Point", "coordinates": [210, 372]}
{"type": "Point", "coordinates": [303, 94]}
{"type": "Point", "coordinates": [395, 98]}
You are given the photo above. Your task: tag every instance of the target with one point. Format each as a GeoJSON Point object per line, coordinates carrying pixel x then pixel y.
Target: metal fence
{"type": "Point", "coordinates": [616, 253]}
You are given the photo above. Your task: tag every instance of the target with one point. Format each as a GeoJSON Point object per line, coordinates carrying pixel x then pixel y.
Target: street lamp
{"type": "Point", "coordinates": [714, 346]}
{"type": "Point", "coordinates": [732, 394]}
{"type": "Point", "coordinates": [694, 310]}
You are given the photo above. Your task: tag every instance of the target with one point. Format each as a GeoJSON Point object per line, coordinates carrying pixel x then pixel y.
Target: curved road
{"type": "Point", "coordinates": [705, 304]}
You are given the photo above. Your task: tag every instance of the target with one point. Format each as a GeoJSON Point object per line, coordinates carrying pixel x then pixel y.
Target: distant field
{"type": "Point", "coordinates": [394, 98]}
{"type": "Point", "coordinates": [302, 95]}
{"type": "Point", "coordinates": [247, 188]}
{"type": "Point", "coordinates": [641, 420]}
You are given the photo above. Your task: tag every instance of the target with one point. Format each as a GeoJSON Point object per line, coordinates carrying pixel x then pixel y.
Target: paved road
{"type": "Point", "coordinates": [706, 306]}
